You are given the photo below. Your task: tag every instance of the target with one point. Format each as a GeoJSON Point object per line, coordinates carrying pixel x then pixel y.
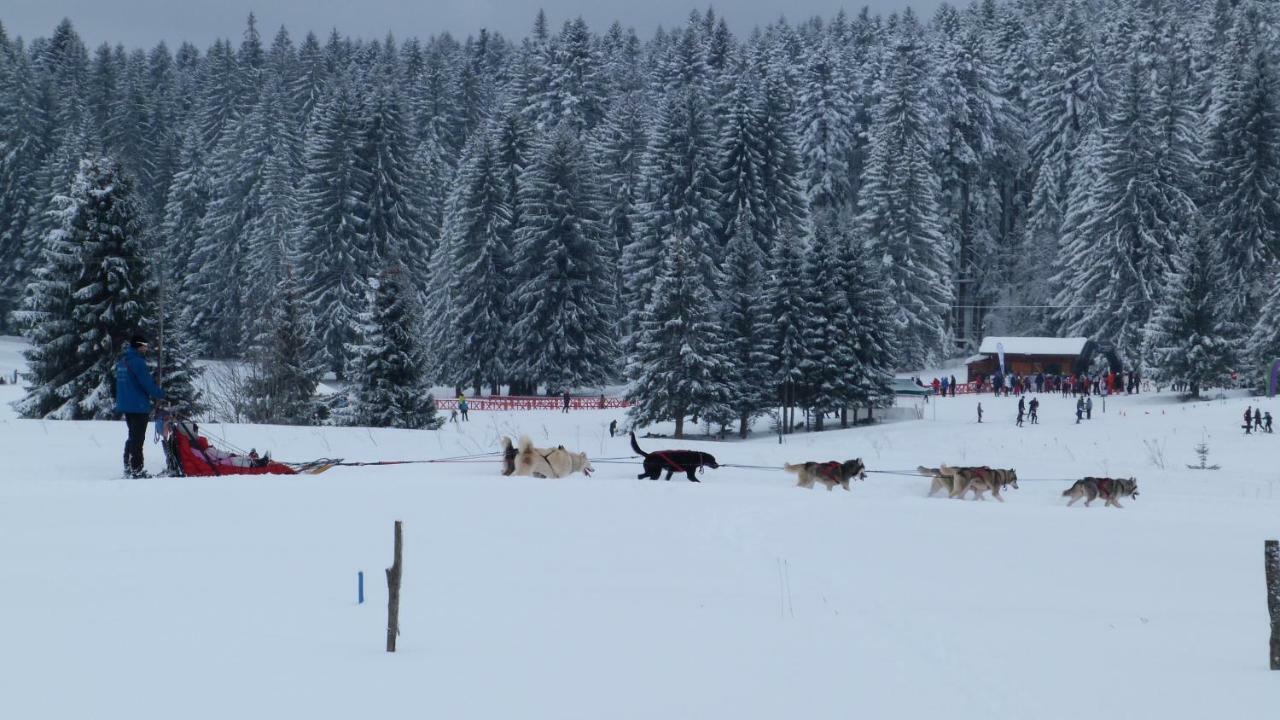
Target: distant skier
{"type": "Point", "coordinates": [1266, 421]}
{"type": "Point", "coordinates": [1257, 419]}
{"type": "Point", "coordinates": [1088, 408]}
{"type": "Point", "coordinates": [1079, 409]}
{"type": "Point", "coordinates": [462, 406]}
{"type": "Point", "coordinates": [979, 412]}
{"type": "Point", "coordinates": [1022, 408]}
{"type": "Point", "coordinates": [135, 389]}
{"type": "Point", "coordinates": [613, 427]}
{"type": "Point", "coordinates": [1035, 411]}
{"type": "Point", "coordinates": [1248, 420]}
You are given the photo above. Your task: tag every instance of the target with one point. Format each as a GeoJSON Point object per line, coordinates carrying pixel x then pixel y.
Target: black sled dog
{"type": "Point", "coordinates": [673, 461]}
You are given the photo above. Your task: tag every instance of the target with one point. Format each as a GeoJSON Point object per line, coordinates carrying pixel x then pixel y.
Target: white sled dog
{"type": "Point", "coordinates": [542, 462]}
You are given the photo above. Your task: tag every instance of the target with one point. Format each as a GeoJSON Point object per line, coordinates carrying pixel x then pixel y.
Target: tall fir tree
{"type": "Point", "coordinates": [563, 336]}
{"type": "Point", "coordinates": [747, 330]}
{"type": "Point", "coordinates": [680, 368]}
{"type": "Point", "coordinates": [900, 215]}
{"type": "Point", "coordinates": [285, 373]}
{"type": "Point", "coordinates": [92, 294]}
{"type": "Point", "coordinates": [389, 387]}
{"type": "Point", "coordinates": [1188, 339]}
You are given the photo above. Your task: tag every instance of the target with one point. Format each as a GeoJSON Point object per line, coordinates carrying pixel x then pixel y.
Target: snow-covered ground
{"type": "Point", "coordinates": [610, 597]}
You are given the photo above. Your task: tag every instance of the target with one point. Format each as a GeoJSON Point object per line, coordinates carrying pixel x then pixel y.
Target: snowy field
{"type": "Point", "coordinates": [608, 597]}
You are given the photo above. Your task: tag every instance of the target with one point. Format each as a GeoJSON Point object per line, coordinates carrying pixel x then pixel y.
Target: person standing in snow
{"type": "Point", "coordinates": [1248, 421]}
{"type": "Point", "coordinates": [1079, 409]}
{"type": "Point", "coordinates": [944, 386]}
{"type": "Point", "coordinates": [1088, 408]}
{"type": "Point", "coordinates": [135, 389]}
{"type": "Point", "coordinates": [1022, 405]}
{"type": "Point", "coordinates": [462, 406]}
{"type": "Point", "coordinates": [1266, 421]}
{"type": "Point", "coordinates": [1035, 411]}
{"type": "Point", "coordinates": [953, 386]}
{"type": "Point", "coordinates": [979, 412]}
{"type": "Point", "coordinates": [566, 400]}
{"type": "Point", "coordinates": [1257, 419]}
{"type": "Point", "coordinates": [613, 427]}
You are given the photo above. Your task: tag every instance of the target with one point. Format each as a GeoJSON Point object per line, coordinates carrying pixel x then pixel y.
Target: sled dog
{"type": "Point", "coordinates": [831, 473]}
{"type": "Point", "coordinates": [673, 461]}
{"type": "Point", "coordinates": [542, 462]}
{"type": "Point", "coordinates": [944, 478]}
{"type": "Point", "coordinates": [1110, 489]}
{"type": "Point", "coordinates": [960, 480]}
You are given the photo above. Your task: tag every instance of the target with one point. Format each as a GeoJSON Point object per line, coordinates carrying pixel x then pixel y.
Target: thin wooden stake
{"type": "Point", "coordinates": [393, 591]}
{"type": "Point", "coordinates": [1272, 553]}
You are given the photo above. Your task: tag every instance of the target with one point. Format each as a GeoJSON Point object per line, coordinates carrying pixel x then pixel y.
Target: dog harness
{"type": "Point", "coordinates": [830, 470]}
{"type": "Point", "coordinates": [1104, 488]}
{"type": "Point", "coordinates": [551, 467]}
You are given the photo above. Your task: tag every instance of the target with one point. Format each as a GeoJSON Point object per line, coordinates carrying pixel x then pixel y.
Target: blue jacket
{"type": "Point", "coordinates": [134, 385]}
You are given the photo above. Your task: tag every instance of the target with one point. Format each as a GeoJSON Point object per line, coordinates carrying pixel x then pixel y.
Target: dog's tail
{"type": "Point", "coordinates": [927, 471]}
{"type": "Point", "coordinates": [526, 444]}
{"type": "Point", "coordinates": [636, 446]}
{"type": "Point", "coordinates": [792, 468]}
{"type": "Point", "coordinates": [1067, 492]}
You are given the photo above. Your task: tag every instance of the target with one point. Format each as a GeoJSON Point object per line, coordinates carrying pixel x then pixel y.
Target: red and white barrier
{"type": "Point", "coordinates": [535, 402]}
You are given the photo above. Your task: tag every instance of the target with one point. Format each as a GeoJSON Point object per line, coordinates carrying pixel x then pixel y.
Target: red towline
{"type": "Point", "coordinates": [533, 402]}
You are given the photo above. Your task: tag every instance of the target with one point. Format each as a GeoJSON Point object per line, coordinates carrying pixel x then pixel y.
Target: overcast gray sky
{"type": "Point", "coordinates": [142, 23]}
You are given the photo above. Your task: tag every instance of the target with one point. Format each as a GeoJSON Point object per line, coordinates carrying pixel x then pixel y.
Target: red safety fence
{"type": "Point", "coordinates": [516, 402]}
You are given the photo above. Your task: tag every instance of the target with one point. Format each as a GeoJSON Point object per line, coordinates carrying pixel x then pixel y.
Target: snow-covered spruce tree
{"type": "Point", "coordinates": [741, 153]}
{"type": "Point", "coordinates": [829, 353]}
{"type": "Point", "coordinates": [236, 259]}
{"type": "Point", "coordinates": [747, 330]}
{"type": "Point", "coordinates": [1242, 162]}
{"type": "Point", "coordinates": [683, 197]}
{"type": "Point", "coordinates": [781, 169]}
{"type": "Point", "coordinates": [564, 332]}
{"type": "Point", "coordinates": [618, 147]}
{"type": "Point", "coordinates": [334, 261]}
{"type": "Point", "coordinates": [876, 329]}
{"type": "Point", "coordinates": [393, 225]}
{"type": "Point", "coordinates": [967, 162]}
{"type": "Point", "coordinates": [285, 372]}
{"type": "Point", "coordinates": [471, 304]}
{"type": "Point", "coordinates": [679, 367]}
{"type": "Point", "coordinates": [177, 370]}
{"type": "Point", "coordinates": [1115, 265]}
{"type": "Point", "coordinates": [389, 387]}
{"type": "Point", "coordinates": [899, 204]}
{"type": "Point", "coordinates": [92, 293]}
{"type": "Point", "coordinates": [826, 108]}
{"type": "Point", "coordinates": [1188, 339]}
{"type": "Point", "coordinates": [786, 311]}
{"type": "Point", "coordinates": [185, 206]}
{"type": "Point", "coordinates": [1065, 107]}
{"type": "Point", "coordinates": [22, 144]}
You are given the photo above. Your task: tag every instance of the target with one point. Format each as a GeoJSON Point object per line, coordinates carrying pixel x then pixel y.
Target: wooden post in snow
{"type": "Point", "coordinates": [393, 591]}
{"type": "Point", "coordinates": [1272, 553]}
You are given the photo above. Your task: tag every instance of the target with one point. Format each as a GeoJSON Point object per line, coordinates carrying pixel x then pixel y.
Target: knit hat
{"type": "Point", "coordinates": [138, 341]}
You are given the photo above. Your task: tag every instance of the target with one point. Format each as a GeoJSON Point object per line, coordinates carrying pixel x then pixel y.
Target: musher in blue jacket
{"type": "Point", "coordinates": [135, 388]}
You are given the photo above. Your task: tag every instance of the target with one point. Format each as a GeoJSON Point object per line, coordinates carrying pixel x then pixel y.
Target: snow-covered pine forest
{"type": "Point", "coordinates": [722, 221]}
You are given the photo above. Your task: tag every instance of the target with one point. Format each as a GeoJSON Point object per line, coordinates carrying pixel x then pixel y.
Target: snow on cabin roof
{"type": "Point", "coordinates": [1033, 345]}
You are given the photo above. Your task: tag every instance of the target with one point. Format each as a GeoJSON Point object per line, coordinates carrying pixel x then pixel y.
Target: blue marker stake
{"type": "Point", "coordinates": [360, 587]}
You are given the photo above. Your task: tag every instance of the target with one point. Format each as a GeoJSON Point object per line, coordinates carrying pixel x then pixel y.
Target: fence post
{"type": "Point", "coordinates": [1272, 554]}
{"type": "Point", "coordinates": [393, 591]}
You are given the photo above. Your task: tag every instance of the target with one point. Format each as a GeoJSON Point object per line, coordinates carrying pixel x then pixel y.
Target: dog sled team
{"type": "Point", "coordinates": [523, 458]}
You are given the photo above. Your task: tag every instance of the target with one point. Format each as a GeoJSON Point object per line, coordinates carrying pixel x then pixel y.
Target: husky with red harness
{"type": "Point", "coordinates": [831, 473]}
{"type": "Point", "coordinates": [688, 462]}
{"type": "Point", "coordinates": [1109, 489]}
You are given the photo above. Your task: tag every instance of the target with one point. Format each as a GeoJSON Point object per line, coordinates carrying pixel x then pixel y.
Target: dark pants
{"type": "Point", "coordinates": [137, 423]}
